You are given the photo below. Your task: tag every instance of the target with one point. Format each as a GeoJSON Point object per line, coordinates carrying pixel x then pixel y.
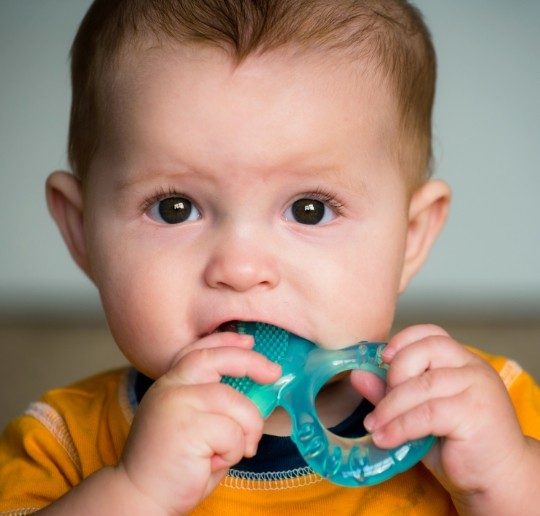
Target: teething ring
{"type": "Point", "coordinates": [306, 369]}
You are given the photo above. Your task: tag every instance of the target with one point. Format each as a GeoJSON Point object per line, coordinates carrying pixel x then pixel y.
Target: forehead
{"type": "Point", "coordinates": [193, 103]}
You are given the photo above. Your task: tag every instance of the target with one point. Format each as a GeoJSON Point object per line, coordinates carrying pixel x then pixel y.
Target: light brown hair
{"type": "Point", "coordinates": [389, 34]}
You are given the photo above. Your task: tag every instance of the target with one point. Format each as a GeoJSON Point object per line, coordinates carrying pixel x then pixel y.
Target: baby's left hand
{"type": "Point", "coordinates": [436, 386]}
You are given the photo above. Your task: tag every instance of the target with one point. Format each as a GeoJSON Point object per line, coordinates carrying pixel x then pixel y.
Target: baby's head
{"type": "Point", "coordinates": [385, 38]}
{"type": "Point", "coordinates": [249, 160]}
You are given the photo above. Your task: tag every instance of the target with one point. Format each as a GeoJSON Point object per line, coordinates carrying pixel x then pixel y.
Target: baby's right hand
{"type": "Point", "coordinates": [190, 429]}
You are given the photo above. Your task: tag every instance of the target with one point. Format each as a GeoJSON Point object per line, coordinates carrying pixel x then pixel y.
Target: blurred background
{"type": "Point", "coordinates": [482, 281]}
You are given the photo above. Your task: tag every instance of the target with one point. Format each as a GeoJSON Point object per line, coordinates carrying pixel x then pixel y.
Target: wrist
{"type": "Point", "coordinates": [108, 491]}
{"type": "Point", "coordinates": [516, 491]}
{"type": "Point", "coordinates": [137, 501]}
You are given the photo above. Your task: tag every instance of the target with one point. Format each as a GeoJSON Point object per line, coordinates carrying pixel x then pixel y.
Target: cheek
{"type": "Point", "coordinates": [145, 291]}
{"type": "Point", "coordinates": [359, 289]}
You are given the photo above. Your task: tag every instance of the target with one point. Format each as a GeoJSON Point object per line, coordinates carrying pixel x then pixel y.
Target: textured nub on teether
{"type": "Point", "coordinates": [270, 341]}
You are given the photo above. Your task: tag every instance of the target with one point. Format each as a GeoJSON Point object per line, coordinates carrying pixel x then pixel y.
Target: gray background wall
{"type": "Point", "coordinates": [487, 139]}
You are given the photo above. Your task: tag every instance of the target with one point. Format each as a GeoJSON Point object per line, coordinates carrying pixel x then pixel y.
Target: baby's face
{"type": "Point", "coordinates": [267, 193]}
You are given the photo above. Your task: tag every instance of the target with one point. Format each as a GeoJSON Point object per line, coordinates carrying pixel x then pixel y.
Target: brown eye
{"type": "Point", "coordinates": [309, 211]}
{"type": "Point", "coordinates": [174, 210]}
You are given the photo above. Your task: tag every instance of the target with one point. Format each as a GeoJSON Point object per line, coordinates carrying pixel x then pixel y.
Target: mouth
{"type": "Point", "coordinates": [231, 325]}
{"type": "Point", "coordinates": [228, 326]}
{"type": "Point", "coordinates": [239, 326]}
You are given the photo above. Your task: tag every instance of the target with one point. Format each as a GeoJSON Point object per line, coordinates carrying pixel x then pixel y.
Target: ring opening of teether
{"type": "Point", "coordinates": [341, 408]}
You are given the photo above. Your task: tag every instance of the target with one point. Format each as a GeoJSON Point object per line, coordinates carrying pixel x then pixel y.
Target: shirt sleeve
{"type": "Point", "coordinates": [38, 461]}
{"type": "Point", "coordinates": [522, 389]}
{"type": "Point", "coordinates": [525, 396]}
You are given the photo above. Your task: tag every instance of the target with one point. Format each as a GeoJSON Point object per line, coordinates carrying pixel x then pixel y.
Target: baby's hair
{"type": "Point", "coordinates": [389, 35]}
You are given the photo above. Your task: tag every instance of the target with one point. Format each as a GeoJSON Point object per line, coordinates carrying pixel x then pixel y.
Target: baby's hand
{"type": "Point", "coordinates": [189, 428]}
{"type": "Point", "coordinates": [436, 386]}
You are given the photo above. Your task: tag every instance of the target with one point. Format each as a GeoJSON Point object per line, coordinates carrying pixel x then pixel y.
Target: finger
{"type": "Point", "coordinates": [369, 385]}
{"type": "Point", "coordinates": [220, 440]}
{"type": "Point", "coordinates": [216, 340]}
{"type": "Point", "coordinates": [408, 336]}
{"type": "Point", "coordinates": [439, 417]}
{"type": "Point", "coordinates": [210, 364]}
{"type": "Point", "coordinates": [431, 352]}
{"type": "Point", "coordinates": [223, 400]}
{"type": "Point", "coordinates": [437, 383]}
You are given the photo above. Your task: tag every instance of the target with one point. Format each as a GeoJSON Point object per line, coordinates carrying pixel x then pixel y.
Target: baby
{"type": "Point", "coordinates": [259, 161]}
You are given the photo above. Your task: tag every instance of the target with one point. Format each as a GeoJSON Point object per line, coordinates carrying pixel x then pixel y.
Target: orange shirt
{"type": "Point", "coordinates": [74, 431]}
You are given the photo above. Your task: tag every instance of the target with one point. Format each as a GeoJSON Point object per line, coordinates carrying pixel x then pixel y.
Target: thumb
{"type": "Point", "coordinates": [369, 385]}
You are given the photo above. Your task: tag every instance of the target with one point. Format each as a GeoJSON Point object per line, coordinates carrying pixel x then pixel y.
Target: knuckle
{"type": "Point", "coordinates": [237, 436]}
{"type": "Point", "coordinates": [228, 394]}
{"type": "Point", "coordinates": [427, 412]}
{"type": "Point", "coordinates": [426, 381]}
{"type": "Point", "coordinates": [483, 373]}
{"type": "Point", "coordinates": [203, 355]}
{"type": "Point", "coordinates": [197, 360]}
{"type": "Point", "coordinates": [439, 341]}
{"type": "Point", "coordinates": [395, 375]}
{"type": "Point", "coordinates": [435, 330]}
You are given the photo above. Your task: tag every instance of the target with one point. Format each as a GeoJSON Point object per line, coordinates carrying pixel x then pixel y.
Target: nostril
{"type": "Point", "coordinates": [241, 270]}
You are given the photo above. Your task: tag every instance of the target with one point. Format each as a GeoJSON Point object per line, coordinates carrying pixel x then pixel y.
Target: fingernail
{"type": "Point", "coordinates": [377, 436]}
{"type": "Point", "coordinates": [388, 354]}
{"type": "Point", "coordinates": [248, 339]}
{"type": "Point", "coordinates": [369, 422]}
{"type": "Point", "coordinates": [276, 367]}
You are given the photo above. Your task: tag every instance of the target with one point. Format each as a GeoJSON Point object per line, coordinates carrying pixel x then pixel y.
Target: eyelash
{"type": "Point", "coordinates": [320, 194]}
{"type": "Point", "coordinates": [326, 196]}
{"type": "Point", "coordinates": [159, 194]}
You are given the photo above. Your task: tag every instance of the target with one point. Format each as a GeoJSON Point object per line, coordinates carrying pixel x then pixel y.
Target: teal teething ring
{"type": "Point", "coordinates": [306, 368]}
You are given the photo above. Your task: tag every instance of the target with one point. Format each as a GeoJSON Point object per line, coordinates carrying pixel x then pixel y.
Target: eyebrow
{"type": "Point", "coordinates": [297, 167]}
{"type": "Point", "coordinates": [128, 182]}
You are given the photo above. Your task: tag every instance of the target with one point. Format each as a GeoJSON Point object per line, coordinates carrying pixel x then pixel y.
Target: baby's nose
{"type": "Point", "coordinates": [240, 265]}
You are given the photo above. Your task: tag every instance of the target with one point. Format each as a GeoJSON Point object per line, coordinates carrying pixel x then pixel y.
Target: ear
{"type": "Point", "coordinates": [428, 210]}
{"type": "Point", "coordinates": [65, 202]}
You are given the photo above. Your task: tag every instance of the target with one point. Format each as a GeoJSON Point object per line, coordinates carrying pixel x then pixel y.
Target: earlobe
{"type": "Point", "coordinates": [65, 203]}
{"type": "Point", "coordinates": [428, 211]}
